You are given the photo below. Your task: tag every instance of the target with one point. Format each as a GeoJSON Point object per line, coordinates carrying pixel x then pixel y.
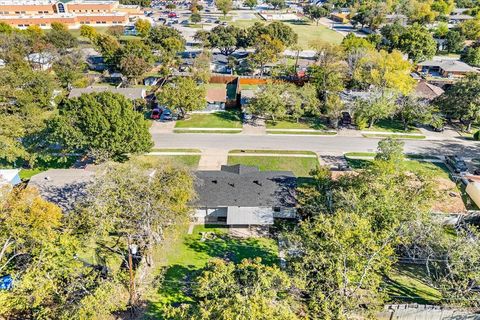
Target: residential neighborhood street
{"type": "Point", "coordinates": [323, 145]}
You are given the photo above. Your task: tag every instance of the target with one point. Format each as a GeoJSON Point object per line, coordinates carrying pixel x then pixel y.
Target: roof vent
{"type": "Point", "coordinates": [257, 182]}
{"type": "Point", "coordinates": [214, 181]}
{"type": "Point", "coordinates": [231, 184]}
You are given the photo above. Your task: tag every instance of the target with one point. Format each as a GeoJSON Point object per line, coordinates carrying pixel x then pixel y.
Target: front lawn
{"type": "Point", "coordinates": [305, 123]}
{"type": "Point", "coordinates": [183, 257]}
{"type": "Point", "coordinates": [300, 166]}
{"type": "Point", "coordinates": [391, 125]}
{"type": "Point", "coordinates": [190, 160]}
{"type": "Point", "coordinates": [226, 119]}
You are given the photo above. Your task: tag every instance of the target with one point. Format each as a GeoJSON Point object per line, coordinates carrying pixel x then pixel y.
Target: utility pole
{"type": "Point", "coordinates": [131, 289]}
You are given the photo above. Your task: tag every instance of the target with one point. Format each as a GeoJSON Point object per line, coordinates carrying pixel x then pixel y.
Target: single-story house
{"type": "Point", "coordinates": [40, 61]}
{"type": "Point", "coordinates": [444, 68]}
{"type": "Point", "coordinates": [427, 91]}
{"type": "Point", "coordinates": [458, 18]}
{"type": "Point", "coordinates": [9, 177]}
{"type": "Point", "coordinates": [64, 187]}
{"type": "Point", "coordinates": [129, 93]}
{"type": "Point", "coordinates": [241, 195]}
{"type": "Point", "coordinates": [216, 99]}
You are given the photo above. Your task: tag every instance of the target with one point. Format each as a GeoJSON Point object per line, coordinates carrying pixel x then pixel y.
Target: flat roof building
{"type": "Point", "coordinates": [24, 13]}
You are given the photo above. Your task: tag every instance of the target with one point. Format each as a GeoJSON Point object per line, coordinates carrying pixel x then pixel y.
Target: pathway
{"type": "Point", "coordinates": [213, 159]}
{"type": "Point", "coordinates": [254, 127]}
{"type": "Point", "coordinates": [162, 127]}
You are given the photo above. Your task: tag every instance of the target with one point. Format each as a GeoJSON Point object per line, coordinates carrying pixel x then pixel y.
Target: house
{"type": "Point", "coordinates": [339, 17]}
{"type": "Point", "coordinates": [427, 91]}
{"type": "Point", "coordinates": [444, 68]}
{"type": "Point", "coordinates": [40, 61]}
{"type": "Point", "coordinates": [216, 99]}
{"type": "Point", "coordinates": [129, 93]}
{"type": "Point", "coordinates": [64, 187]}
{"type": "Point", "coordinates": [244, 196]}
{"type": "Point", "coordinates": [96, 63]}
{"type": "Point", "coordinates": [9, 177]}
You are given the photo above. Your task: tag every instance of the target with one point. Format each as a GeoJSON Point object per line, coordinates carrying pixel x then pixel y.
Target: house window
{"type": "Point", "coordinates": [17, 12]}
{"type": "Point", "coordinates": [222, 219]}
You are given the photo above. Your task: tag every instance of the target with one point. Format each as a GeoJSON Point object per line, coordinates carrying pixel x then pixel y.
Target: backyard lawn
{"type": "Point", "coordinates": [300, 166]}
{"type": "Point", "coordinates": [227, 119]}
{"type": "Point", "coordinates": [183, 257]}
{"type": "Point", "coordinates": [405, 283]}
{"type": "Point", "coordinates": [307, 31]}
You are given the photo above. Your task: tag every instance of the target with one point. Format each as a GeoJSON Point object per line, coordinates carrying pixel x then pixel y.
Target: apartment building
{"type": "Point", "coordinates": [24, 13]}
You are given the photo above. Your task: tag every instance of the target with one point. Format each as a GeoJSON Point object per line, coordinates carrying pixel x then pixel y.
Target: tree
{"type": "Point", "coordinates": [270, 102]}
{"type": "Point", "coordinates": [250, 3]}
{"type": "Point", "coordinates": [276, 30]}
{"type": "Point", "coordinates": [370, 14]}
{"type": "Point", "coordinates": [248, 290]}
{"type": "Point", "coordinates": [143, 27]}
{"type": "Point", "coordinates": [136, 58]}
{"type": "Point", "coordinates": [100, 123]}
{"type": "Point", "coordinates": [138, 203]}
{"type": "Point", "coordinates": [421, 12]}
{"type": "Point", "coordinates": [227, 39]}
{"type": "Point", "coordinates": [315, 12]}
{"type": "Point", "coordinates": [116, 31]}
{"type": "Point", "coordinates": [471, 55]}
{"type": "Point", "coordinates": [410, 109]}
{"type": "Point", "coordinates": [392, 33]}
{"type": "Point", "coordinates": [276, 4]}
{"type": "Point", "coordinates": [461, 100]}
{"type": "Point", "coordinates": [184, 95]}
{"type": "Point", "coordinates": [40, 253]}
{"type": "Point", "coordinates": [60, 37]}
{"type": "Point", "coordinates": [108, 47]}
{"type": "Point", "coordinates": [201, 67]}
{"type": "Point", "coordinates": [69, 71]}
{"type": "Point", "coordinates": [470, 29]}
{"type": "Point", "coordinates": [454, 41]}
{"type": "Point", "coordinates": [417, 42]}
{"type": "Point", "coordinates": [88, 32]}
{"type": "Point", "coordinates": [166, 39]}
{"type": "Point", "coordinates": [385, 71]}
{"type": "Point", "coordinates": [196, 18]}
{"type": "Point", "coordinates": [390, 150]}
{"type": "Point", "coordinates": [266, 50]}
{"type": "Point", "coordinates": [225, 6]}
{"type": "Point", "coordinates": [378, 105]}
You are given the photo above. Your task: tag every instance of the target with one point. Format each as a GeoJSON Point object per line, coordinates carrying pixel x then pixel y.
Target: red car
{"type": "Point", "coordinates": [155, 115]}
{"type": "Point", "coordinates": [172, 15]}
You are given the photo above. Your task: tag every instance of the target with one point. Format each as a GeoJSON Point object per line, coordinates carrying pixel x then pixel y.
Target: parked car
{"type": "Point", "coordinates": [166, 115]}
{"type": "Point", "coordinates": [246, 116]}
{"type": "Point", "coordinates": [155, 114]}
{"type": "Point", "coordinates": [457, 164]}
{"type": "Point", "coordinates": [346, 119]}
{"type": "Point", "coordinates": [172, 15]}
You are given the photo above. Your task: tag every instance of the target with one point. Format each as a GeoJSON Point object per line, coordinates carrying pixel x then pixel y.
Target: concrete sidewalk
{"type": "Point", "coordinates": [213, 159]}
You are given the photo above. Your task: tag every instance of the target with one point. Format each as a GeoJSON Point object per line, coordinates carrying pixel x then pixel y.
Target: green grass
{"type": "Point", "coordinates": [301, 167]}
{"type": "Point", "coordinates": [432, 169]}
{"type": "Point", "coordinates": [40, 166]}
{"type": "Point", "coordinates": [360, 154]}
{"type": "Point", "coordinates": [208, 131]}
{"type": "Point", "coordinates": [249, 86]}
{"type": "Point", "coordinates": [190, 161]}
{"type": "Point", "coordinates": [394, 136]}
{"type": "Point", "coordinates": [307, 31]}
{"type": "Point", "coordinates": [406, 284]}
{"type": "Point", "coordinates": [227, 119]}
{"type": "Point", "coordinates": [313, 133]}
{"type": "Point", "coordinates": [175, 150]}
{"type": "Point", "coordinates": [391, 125]}
{"type": "Point", "coordinates": [307, 123]}
{"type": "Point", "coordinates": [273, 152]}
{"type": "Point", "coordinates": [183, 258]}
{"type": "Point", "coordinates": [373, 154]}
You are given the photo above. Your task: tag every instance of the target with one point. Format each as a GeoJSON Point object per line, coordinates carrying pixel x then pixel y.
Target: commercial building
{"type": "Point", "coordinates": [24, 13]}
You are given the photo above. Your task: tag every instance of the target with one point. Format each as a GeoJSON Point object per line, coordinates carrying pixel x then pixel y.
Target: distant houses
{"type": "Point", "coordinates": [450, 69]}
{"type": "Point", "coordinates": [129, 93]}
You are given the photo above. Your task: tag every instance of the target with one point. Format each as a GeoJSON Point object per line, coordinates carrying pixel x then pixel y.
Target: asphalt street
{"type": "Point", "coordinates": [326, 145]}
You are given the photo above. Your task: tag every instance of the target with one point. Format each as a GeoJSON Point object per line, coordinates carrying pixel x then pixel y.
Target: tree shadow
{"type": "Point", "coordinates": [298, 22]}
{"type": "Point", "coordinates": [228, 115]}
{"type": "Point", "coordinates": [234, 250]}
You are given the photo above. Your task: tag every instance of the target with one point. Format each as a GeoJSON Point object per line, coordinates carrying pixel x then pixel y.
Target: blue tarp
{"type": "Point", "coordinates": [6, 282]}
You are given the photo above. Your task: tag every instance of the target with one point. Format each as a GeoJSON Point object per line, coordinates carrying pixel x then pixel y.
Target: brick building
{"type": "Point", "coordinates": [24, 13]}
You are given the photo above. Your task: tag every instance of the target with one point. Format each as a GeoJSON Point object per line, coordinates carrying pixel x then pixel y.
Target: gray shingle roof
{"type": "Point", "coordinates": [63, 187]}
{"type": "Point", "coordinates": [448, 65]}
{"type": "Point", "coordinates": [243, 186]}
